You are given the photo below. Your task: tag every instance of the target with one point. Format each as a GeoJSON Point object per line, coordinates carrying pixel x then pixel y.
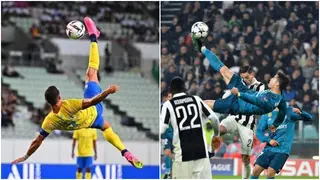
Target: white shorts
{"type": "Point", "coordinates": [197, 169]}
{"type": "Point", "coordinates": [246, 134]}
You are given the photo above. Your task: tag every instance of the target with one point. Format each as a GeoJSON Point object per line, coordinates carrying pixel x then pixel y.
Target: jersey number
{"type": "Point", "coordinates": [249, 143]}
{"type": "Point", "coordinates": [183, 125]}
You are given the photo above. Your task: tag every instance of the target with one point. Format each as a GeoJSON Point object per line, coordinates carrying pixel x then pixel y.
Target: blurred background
{"type": "Point", "coordinates": [270, 36]}
{"type": "Point", "coordinates": [36, 53]}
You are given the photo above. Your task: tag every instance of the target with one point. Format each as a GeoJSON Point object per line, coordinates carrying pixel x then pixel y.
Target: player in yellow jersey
{"type": "Point", "coordinates": [73, 114]}
{"type": "Point", "coordinates": [86, 149]}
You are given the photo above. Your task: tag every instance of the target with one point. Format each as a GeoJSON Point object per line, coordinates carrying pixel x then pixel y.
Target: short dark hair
{"type": "Point", "coordinates": [283, 81]}
{"type": "Point", "coordinates": [51, 95]}
{"type": "Point", "coordinates": [245, 69]}
{"type": "Point", "coordinates": [177, 85]}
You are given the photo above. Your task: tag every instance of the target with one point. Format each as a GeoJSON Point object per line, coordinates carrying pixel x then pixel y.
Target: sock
{"type": "Point", "coordinates": [79, 175]}
{"type": "Point", "coordinates": [88, 175]}
{"type": "Point", "coordinates": [254, 177]}
{"type": "Point", "coordinates": [94, 59]}
{"type": "Point", "coordinates": [213, 59]}
{"type": "Point", "coordinates": [114, 139]}
{"type": "Point", "coordinates": [246, 170]}
{"type": "Point", "coordinates": [93, 38]}
{"type": "Point", "coordinates": [168, 162]}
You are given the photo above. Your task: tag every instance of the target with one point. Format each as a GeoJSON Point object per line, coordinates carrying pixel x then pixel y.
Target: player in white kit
{"type": "Point", "coordinates": [243, 124]}
{"type": "Point", "coordinates": [186, 114]}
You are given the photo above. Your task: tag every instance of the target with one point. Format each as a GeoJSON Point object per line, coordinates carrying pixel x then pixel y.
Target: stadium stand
{"type": "Point", "coordinates": [270, 36]}
{"type": "Point", "coordinates": [116, 20]}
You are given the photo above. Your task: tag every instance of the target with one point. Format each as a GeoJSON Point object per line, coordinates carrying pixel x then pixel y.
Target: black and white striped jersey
{"type": "Point", "coordinates": [186, 116]}
{"type": "Point", "coordinates": [248, 121]}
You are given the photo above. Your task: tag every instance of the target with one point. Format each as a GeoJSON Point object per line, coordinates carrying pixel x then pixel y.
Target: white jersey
{"type": "Point", "coordinates": [248, 121]}
{"type": "Point", "coordinates": [186, 116]}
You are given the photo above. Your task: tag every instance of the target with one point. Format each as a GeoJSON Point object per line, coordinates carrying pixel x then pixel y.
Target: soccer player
{"type": "Point", "coordinates": [243, 124]}
{"type": "Point", "coordinates": [245, 101]}
{"type": "Point", "coordinates": [86, 149]}
{"type": "Point", "coordinates": [167, 142]}
{"type": "Point", "coordinates": [279, 143]}
{"type": "Point", "coordinates": [185, 114]}
{"type": "Point", "coordinates": [167, 138]}
{"type": "Point", "coordinates": [73, 114]}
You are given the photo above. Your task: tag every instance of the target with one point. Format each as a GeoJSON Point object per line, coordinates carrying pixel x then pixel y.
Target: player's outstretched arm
{"type": "Point", "coordinates": [33, 147]}
{"type": "Point", "coordinates": [99, 97]}
{"type": "Point", "coordinates": [297, 114]}
{"type": "Point", "coordinates": [260, 101]}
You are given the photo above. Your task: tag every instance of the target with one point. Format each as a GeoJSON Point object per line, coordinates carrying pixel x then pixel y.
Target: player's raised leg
{"type": "Point", "coordinates": [215, 62]}
{"type": "Point", "coordinates": [92, 89]}
{"type": "Point", "coordinates": [94, 59]}
{"type": "Point", "coordinates": [222, 105]}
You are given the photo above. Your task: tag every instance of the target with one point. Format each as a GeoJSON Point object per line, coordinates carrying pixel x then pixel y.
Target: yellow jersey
{"type": "Point", "coordinates": [70, 117]}
{"type": "Point", "coordinates": [85, 139]}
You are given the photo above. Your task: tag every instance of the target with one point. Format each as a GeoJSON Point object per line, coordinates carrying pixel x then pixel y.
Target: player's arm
{"type": "Point", "coordinates": [74, 141]}
{"type": "Point", "coordinates": [297, 114]}
{"type": "Point", "coordinates": [99, 97]}
{"type": "Point", "coordinates": [45, 130]}
{"type": "Point", "coordinates": [73, 146]}
{"type": "Point", "coordinates": [215, 141]}
{"type": "Point", "coordinates": [164, 118]}
{"type": "Point", "coordinates": [211, 115]}
{"type": "Point", "coordinates": [281, 114]}
{"type": "Point", "coordinates": [262, 126]}
{"type": "Point", "coordinates": [261, 101]}
{"type": "Point", "coordinates": [95, 137]}
{"type": "Point", "coordinates": [95, 149]}
{"type": "Point", "coordinates": [33, 147]}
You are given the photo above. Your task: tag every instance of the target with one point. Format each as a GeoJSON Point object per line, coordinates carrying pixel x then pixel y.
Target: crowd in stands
{"type": "Point", "coordinates": [9, 71]}
{"type": "Point", "coordinates": [140, 17]}
{"type": "Point", "coordinates": [10, 101]}
{"type": "Point", "coordinates": [8, 107]}
{"type": "Point", "coordinates": [270, 36]}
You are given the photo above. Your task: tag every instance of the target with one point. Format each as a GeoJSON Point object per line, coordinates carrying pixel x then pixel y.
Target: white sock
{"type": "Point", "coordinates": [246, 170]}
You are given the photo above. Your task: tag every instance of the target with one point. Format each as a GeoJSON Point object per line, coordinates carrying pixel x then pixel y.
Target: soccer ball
{"type": "Point", "coordinates": [75, 30]}
{"type": "Point", "coordinates": [200, 30]}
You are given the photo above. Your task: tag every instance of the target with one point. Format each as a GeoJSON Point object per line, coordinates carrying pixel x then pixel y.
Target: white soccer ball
{"type": "Point", "coordinates": [200, 30]}
{"type": "Point", "coordinates": [75, 30]}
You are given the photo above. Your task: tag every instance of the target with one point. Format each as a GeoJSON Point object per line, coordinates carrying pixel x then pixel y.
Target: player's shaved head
{"type": "Point", "coordinates": [51, 95]}
{"type": "Point", "coordinates": [177, 85]}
